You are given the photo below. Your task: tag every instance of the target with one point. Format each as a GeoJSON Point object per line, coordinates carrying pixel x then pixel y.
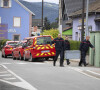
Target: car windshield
{"type": "Point", "coordinates": [12, 43]}
{"type": "Point", "coordinates": [43, 40]}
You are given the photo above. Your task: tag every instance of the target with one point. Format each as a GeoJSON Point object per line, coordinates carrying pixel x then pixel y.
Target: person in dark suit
{"type": "Point", "coordinates": [67, 47]}
{"type": "Point", "coordinates": [59, 46]}
{"type": "Point", "coordinates": [84, 47]}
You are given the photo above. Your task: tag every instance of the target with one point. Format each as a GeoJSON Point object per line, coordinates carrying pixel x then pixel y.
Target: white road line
{"type": "Point", "coordinates": [22, 84]}
{"type": "Point", "coordinates": [3, 72]}
{"type": "Point", "coordinates": [93, 72]}
{"type": "Point", "coordinates": [9, 78]}
{"type": "Point", "coordinates": [37, 63]}
{"type": "Point", "coordinates": [21, 63]}
{"type": "Point", "coordinates": [81, 71]}
{"type": "Point", "coordinates": [6, 63]}
{"type": "Point", "coordinates": [5, 75]}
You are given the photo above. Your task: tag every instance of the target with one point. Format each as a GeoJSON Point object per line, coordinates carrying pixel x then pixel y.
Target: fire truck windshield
{"type": "Point", "coordinates": [43, 40]}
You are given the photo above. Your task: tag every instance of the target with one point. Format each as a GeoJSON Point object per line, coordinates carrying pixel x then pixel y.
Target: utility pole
{"type": "Point", "coordinates": [60, 16]}
{"type": "Point", "coordinates": [87, 10]}
{"type": "Point", "coordinates": [42, 17]}
{"type": "Point", "coordinates": [82, 31]}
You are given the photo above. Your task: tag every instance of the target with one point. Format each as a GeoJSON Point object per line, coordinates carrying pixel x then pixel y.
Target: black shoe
{"type": "Point", "coordinates": [54, 63]}
{"type": "Point", "coordinates": [61, 65]}
{"type": "Point", "coordinates": [85, 64]}
{"type": "Point", "coordinates": [68, 63]}
{"type": "Point", "coordinates": [80, 65]}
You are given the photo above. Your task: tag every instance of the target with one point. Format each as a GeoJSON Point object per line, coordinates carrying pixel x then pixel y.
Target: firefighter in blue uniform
{"type": "Point", "coordinates": [84, 47]}
{"type": "Point", "coordinates": [59, 46]}
{"type": "Point", "coordinates": [67, 47]}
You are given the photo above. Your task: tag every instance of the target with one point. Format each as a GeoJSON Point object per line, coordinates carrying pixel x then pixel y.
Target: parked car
{"type": "Point", "coordinates": [8, 47]}
{"type": "Point", "coordinates": [17, 52]}
{"type": "Point", "coordinates": [39, 47]}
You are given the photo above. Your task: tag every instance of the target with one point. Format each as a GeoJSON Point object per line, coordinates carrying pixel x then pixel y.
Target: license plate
{"type": "Point", "coordinates": [46, 51]}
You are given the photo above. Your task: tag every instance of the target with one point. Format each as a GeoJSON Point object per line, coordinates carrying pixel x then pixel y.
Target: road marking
{"type": "Point", "coordinates": [21, 63]}
{"type": "Point", "coordinates": [93, 72]}
{"type": "Point", "coordinates": [81, 71]}
{"type": "Point", "coordinates": [23, 84]}
{"type": "Point", "coordinates": [37, 63]}
{"type": "Point", "coordinates": [5, 75]}
{"type": "Point", "coordinates": [3, 72]}
{"type": "Point", "coordinates": [9, 78]}
{"type": "Point", "coordinates": [6, 63]}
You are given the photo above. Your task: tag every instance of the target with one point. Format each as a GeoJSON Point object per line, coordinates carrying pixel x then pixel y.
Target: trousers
{"type": "Point", "coordinates": [61, 53]}
{"type": "Point", "coordinates": [83, 60]}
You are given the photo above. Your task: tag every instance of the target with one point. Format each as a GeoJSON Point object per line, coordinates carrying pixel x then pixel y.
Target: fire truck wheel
{"type": "Point", "coordinates": [24, 57]}
{"type": "Point", "coordinates": [31, 58]}
{"type": "Point", "coordinates": [13, 56]}
{"type": "Point", "coordinates": [5, 56]}
{"type": "Point", "coordinates": [2, 56]}
{"type": "Point", "coordinates": [20, 58]}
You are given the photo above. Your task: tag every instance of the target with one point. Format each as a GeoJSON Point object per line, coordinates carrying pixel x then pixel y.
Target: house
{"type": "Point", "coordinates": [93, 20]}
{"type": "Point", "coordinates": [66, 7]}
{"type": "Point", "coordinates": [15, 20]}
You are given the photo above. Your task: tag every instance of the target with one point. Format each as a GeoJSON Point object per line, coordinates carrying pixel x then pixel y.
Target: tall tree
{"type": "Point", "coordinates": [46, 24]}
{"type": "Point", "coordinates": [54, 25]}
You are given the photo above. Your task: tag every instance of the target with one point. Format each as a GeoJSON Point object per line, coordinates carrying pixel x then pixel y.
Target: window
{"type": "Point", "coordinates": [29, 42]}
{"type": "Point", "coordinates": [5, 3]}
{"type": "Point", "coordinates": [16, 37]}
{"type": "Point", "coordinates": [17, 22]}
{"type": "Point", "coordinates": [0, 20]}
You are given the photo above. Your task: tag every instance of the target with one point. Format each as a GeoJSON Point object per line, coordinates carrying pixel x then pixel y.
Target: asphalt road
{"type": "Point", "coordinates": [24, 75]}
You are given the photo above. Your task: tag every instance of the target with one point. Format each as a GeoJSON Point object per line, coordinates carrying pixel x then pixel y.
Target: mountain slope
{"type": "Point", "coordinates": [50, 9]}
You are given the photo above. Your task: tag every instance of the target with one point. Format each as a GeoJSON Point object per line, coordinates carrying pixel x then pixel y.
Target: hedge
{"type": "Point", "coordinates": [2, 42]}
{"type": "Point", "coordinates": [74, 45]}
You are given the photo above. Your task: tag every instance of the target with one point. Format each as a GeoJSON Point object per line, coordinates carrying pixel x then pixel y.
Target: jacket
{"type": "Point", "coordinates": [67, 45]}
{"type": "Point", "coordinates": [59, 44]}
{"type": "Point", "coordinates": [84, 46]}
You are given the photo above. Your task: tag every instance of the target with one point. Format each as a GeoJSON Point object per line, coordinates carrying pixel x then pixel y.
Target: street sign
{"type": "Point", "coordinates": [3, 31]}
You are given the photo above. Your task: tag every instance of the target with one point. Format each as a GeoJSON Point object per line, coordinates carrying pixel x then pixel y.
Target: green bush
{"type": "Point", "coordinates": [53, 32]}
{"type": "Point", "coordinates": [74, 45]}
{"type": "Point", "coordinates": [2, 42]}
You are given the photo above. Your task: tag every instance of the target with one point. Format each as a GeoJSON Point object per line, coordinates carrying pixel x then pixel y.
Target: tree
{"type": "Point", "coordinates": [54, 25]}
{"type": "Point", "coordinates": [46, 24]}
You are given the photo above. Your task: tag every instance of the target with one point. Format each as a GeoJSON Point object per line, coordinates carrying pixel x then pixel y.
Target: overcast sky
{"type": "Point", "coordinates": [52, 1]}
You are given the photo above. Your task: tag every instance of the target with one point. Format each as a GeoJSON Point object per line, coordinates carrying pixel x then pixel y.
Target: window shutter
{"type": "Point", "coordinates": [10, 3]}
{"type": "Point", "coordinates": [0, 20]}
{"type": "Point", "coordinates": [1, 3]}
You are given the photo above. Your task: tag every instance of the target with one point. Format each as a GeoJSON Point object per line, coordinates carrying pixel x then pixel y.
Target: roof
{"type": "Point", "coordinates": [67, 32]}
{"type": "Point", "coordinates": [71, 6]}
{"type": "Point", "coordinates": [69, 22]}
{"type": "Point", "coordinates": [36, 22]}
{"type": "Point", "coordinates": [24, 7]}
{"type": "Point", "coordinates": [97, 19]}
{"type": "Point", "coordinates": [93, 8]}
{"type": "Point", "coordinates": [67, 28]}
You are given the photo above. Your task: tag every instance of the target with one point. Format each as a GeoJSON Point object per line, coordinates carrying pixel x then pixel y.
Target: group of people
{"type": "Point", "coordinates": [61, 45]}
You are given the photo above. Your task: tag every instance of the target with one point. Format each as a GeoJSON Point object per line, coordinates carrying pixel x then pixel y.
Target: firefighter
{"type": "Point", "coordinates": [84, 46]}
{"type": "Point", "coordinates": [67, 47]}
{"type": "Point", "coordinates": [59, 46]}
